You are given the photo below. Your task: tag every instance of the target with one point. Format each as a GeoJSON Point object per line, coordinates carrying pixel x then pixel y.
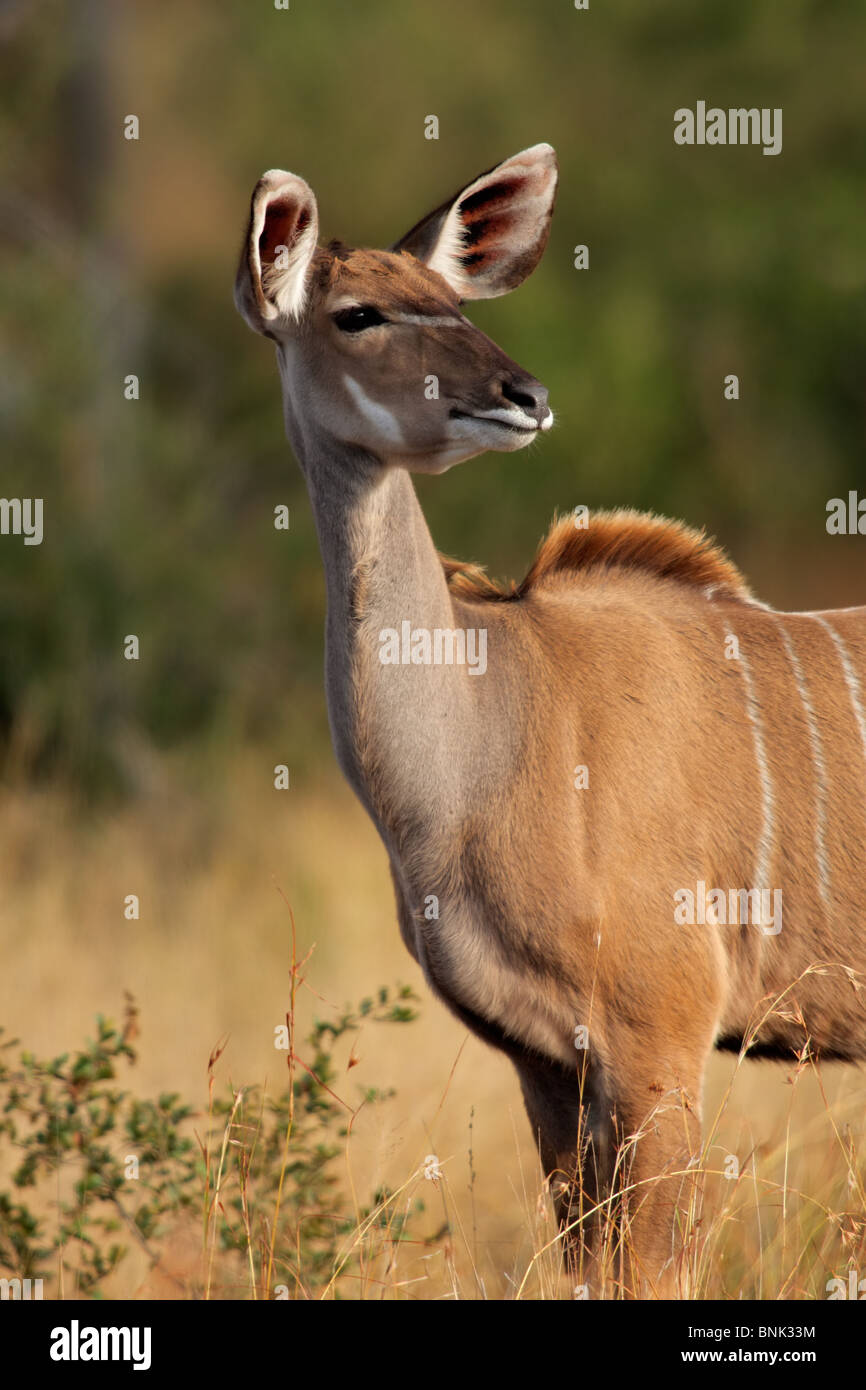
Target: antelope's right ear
{"type": "Point", "coordinates": [275, 261]}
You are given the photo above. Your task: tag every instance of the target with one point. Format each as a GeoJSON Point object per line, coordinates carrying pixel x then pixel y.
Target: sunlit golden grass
{"type": "Point", "coordinates": [215, 857]}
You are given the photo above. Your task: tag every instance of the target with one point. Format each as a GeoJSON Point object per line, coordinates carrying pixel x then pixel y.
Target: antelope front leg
{"type": "Point", "coordinates": [617, 1152]}
{"type": "Point", "coordinates": [657, 1121]}
{"type": "Point", "coordinates": [571, 1124]}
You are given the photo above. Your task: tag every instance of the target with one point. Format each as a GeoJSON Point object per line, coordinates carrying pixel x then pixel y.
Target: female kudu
{"type": "Point", "coordinates": [718, 742]}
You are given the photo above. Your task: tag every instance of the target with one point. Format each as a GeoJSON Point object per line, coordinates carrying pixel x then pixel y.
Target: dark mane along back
{"type": "Point", "coordinates": [635, 541]}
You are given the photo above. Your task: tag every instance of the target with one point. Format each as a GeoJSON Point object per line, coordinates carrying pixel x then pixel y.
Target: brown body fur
{"type": "Point", "coordinates": [628, 621]}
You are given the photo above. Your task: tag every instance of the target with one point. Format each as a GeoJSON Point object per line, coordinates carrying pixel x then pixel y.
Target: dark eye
{"type": "Point", "coordinates": [356, 319]}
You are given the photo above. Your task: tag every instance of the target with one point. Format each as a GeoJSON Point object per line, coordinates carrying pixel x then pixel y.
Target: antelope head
{"type": "Point", "coordinates": [373, 349]}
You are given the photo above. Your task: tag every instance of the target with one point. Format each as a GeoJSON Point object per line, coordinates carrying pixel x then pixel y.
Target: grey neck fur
{"type": "Point", "coordinates": [396, 729]}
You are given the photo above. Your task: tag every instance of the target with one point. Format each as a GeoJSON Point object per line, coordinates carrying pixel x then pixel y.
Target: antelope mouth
{"type": "Point", "coordinates": [531, 426]}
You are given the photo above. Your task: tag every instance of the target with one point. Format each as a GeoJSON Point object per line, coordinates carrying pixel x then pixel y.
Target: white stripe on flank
{"type": "Point", "coordinates": [852, 680]}
{"type": "Point", "coordinates": [768, 800]}
{"type": "Point", "coordinates": [821, 789]}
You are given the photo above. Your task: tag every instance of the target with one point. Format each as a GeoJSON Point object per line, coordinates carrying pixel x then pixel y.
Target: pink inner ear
{"type": "Point", "coordinates": [488, 217]}
{"type": "Point", "coordinates": [285, 221]}
{"type": "Point", "coordinates": [501, 191]}
{"type": "Point", "coordinates": [483, 236]}
{"type": "Point", "coordinates": [505, 224]}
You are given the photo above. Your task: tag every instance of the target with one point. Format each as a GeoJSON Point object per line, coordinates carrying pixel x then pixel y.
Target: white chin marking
{"type": "Point", "coordinates": [383, 422]}
{"type": "Point", "coordinates": [482, 435]}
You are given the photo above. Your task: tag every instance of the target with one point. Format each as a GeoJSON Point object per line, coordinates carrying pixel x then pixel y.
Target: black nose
{"type": "Point", "coordinates": [529, 394]}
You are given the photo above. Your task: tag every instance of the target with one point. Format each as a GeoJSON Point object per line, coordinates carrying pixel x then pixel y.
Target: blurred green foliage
{"type": "Point", "coordinates": [118, 257]}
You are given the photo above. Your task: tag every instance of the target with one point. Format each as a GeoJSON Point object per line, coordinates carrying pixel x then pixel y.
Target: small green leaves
{"type": "Point", "coordinates": [127, 1166]}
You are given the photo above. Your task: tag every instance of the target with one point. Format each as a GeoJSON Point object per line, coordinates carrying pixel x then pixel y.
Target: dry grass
{"type": "Point", "coordinates": [210, 855]}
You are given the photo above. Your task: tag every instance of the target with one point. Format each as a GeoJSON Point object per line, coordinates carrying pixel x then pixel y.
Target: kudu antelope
{"type": "Point", "coordinates": [723, 743]}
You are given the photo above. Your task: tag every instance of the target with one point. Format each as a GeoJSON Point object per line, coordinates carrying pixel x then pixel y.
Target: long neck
{"type": "Point", "coordinates": [404, 733]}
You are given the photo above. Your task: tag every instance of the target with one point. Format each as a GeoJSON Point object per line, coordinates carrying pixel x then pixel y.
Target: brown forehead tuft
{"type": "Point", "coordinates": [392, 280]}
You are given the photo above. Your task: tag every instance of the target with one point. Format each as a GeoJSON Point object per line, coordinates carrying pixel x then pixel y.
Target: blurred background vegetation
{"type": "Point", "coordinates": [118, 257]}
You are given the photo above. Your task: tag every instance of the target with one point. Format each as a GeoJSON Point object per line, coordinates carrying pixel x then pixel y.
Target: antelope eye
{"type": "Point", "coordinates": [359, 317]}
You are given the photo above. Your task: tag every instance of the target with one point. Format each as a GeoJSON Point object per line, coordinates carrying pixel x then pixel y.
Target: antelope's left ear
{"type": "Point", "coordinates": [491, 235]}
